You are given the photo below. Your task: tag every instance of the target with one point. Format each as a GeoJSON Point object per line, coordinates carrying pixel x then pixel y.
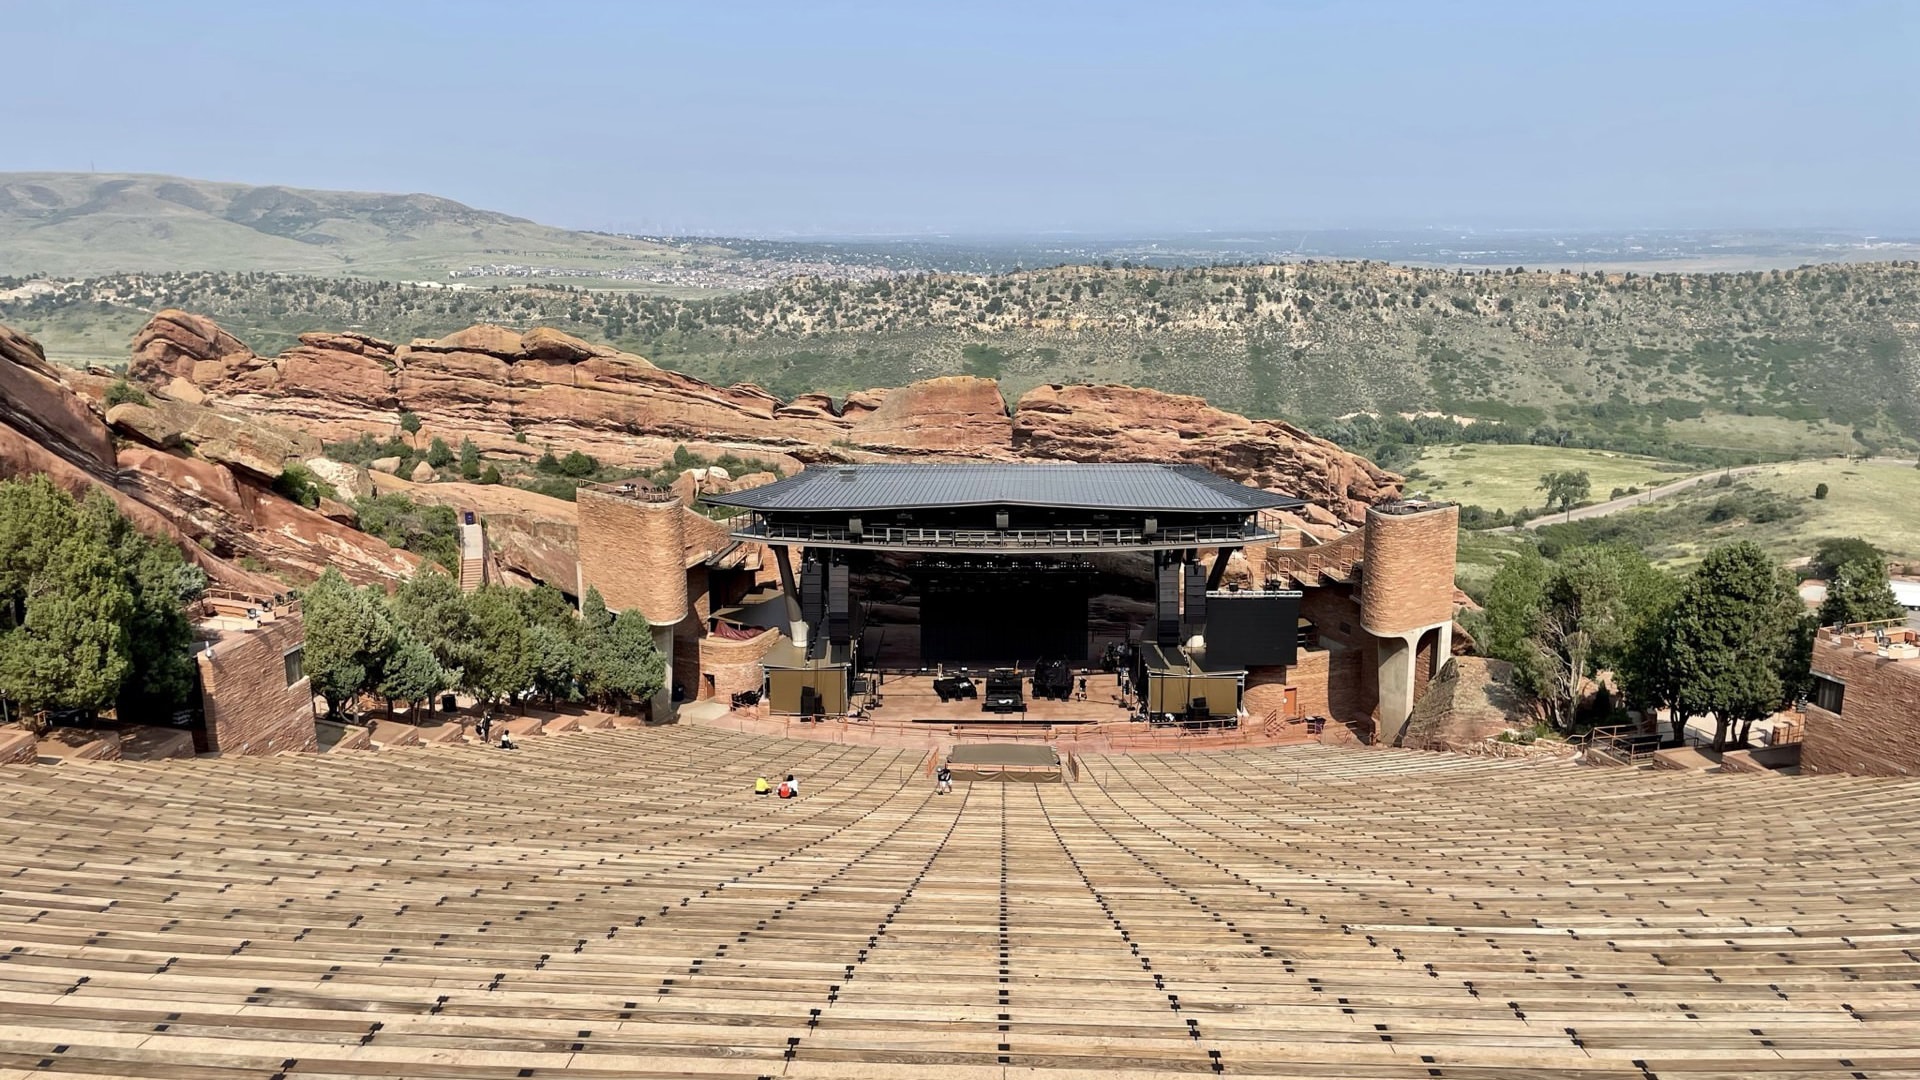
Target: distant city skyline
{"type": "Point", "coordinates": [995, 119]}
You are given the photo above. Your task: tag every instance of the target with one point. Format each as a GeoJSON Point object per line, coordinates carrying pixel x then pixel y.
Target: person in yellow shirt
{"type": "Point", "coordinates": [760, 786]}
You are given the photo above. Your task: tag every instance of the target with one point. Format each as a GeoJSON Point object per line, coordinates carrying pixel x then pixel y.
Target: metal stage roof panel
{"type": "Point", "coordinates": [1068, 485]}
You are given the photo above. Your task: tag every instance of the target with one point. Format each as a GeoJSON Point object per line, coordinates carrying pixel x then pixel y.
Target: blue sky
{"type": "Point", "coordinates": [1111, 117]}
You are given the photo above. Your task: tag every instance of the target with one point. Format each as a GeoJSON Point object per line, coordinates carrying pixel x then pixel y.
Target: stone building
{"type": "Point", "coordinates": [254, 694]}
{"type": "Point", "coordinates": [1374, 606]}
{"type": "Point", "coordinates": [1864, 713]}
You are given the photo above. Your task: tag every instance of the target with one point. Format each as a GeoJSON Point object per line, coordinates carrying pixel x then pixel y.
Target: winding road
{"type": "Point", "coordinates": [1614, 506]}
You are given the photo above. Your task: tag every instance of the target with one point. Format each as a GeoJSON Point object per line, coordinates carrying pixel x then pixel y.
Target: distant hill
{"type": "Point", "coordinates": [1805, 361]}
{"type": "Point", "coordinates": [83, 224]}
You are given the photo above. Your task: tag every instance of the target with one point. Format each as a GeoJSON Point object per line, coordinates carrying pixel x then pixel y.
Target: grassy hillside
{"type": "Point", "coordinates": [1818, 360]}
{"type": "Point", "coordinates": [1508, 477]}
{"type": "Point", "coordinates": [76, 224]}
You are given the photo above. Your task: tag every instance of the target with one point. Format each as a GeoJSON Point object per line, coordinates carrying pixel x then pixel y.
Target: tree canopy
{"type": "Point", "coordinates": [91, 609]}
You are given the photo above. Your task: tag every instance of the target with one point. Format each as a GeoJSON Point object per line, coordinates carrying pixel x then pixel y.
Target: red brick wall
{"type": "Point", "coordinates": [1877, 732]}
{"type": "Point", "coordinates": [250, 709]}
{"type": "Point", "coordinates": [1407, 576]}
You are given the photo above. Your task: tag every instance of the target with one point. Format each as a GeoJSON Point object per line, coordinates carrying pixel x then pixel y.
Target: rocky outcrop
{"type": "Point", "coordinates": [176, 344]}
{"type": "Point", "coordinates": [217, 515]}
{"type": "Point", "coordinates": [953, 415]}
{"type": "Point", "coordinates": [516, 394]}
{"type": "Point", "coordinates": [239, 520]}
{"type": "Point", "coordinates": [532, 534]}
{"type": "Point", "coordinates": [37, 402]}
{"type": "Point", "coordinates": [349, 480]}
{"type": "Point", "coordinates": [1130, 423]}
{"type": "Point", "coordinates": [255, 448]}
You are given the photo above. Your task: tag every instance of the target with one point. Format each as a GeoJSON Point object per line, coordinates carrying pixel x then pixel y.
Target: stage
{"type": "Point", "coordinates": [1022, 762]}
{"type": "Point", "coordinates": [910, 699]}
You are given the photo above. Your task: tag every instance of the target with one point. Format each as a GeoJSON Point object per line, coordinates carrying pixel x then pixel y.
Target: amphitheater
{"type": "Point", "coordinates": [615, 904]}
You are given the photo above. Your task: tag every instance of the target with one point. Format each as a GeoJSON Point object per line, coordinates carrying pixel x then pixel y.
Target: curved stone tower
{"type": "Point", "coordinates": [1407, 586]}
{"type": "Point", "coordinates": [1406, 594]}
{"type": "Point", "coordinates": [633, 549]}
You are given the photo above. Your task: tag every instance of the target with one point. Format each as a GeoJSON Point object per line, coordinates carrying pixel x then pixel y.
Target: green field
{"type": "Point", "coordinates": [1876, 501]}
{"type": "Point", "coordinates": [1507, 477]}
{"type": "Point", "coordinates": [1765, 434]}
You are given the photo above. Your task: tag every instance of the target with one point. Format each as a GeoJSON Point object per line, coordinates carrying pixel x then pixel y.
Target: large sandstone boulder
{"type": "Point", "coordinates": [257, 448]}
{"type": "Point", "coordinates": [1131, 423]}
{"type": "Point", "coordinates": [952, 415]}
{"type": "Point", "coordinates": [422, 472]}
{"type": "Point", "coordinates": [177, 344]}
{"type": "Point", "coordinates": [351, 481]}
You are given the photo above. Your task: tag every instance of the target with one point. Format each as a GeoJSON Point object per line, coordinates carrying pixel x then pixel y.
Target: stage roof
{"type": "Point", "coordinates": [1074, 485]}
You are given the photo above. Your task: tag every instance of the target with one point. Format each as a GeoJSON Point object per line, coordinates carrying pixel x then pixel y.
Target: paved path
{"type": "Point", "coordinates": [1614, 506]}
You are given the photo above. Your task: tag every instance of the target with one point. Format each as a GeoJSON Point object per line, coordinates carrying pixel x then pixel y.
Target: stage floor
{"type": "Point", "coordinates": [906, 699]}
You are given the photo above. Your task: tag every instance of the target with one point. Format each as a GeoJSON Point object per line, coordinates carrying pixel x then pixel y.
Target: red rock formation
{"type": "Point", "coordinates": [533, 534]}
{"type": "Point", "coordinates": [214, 515]}
{"type": "Point", "coordinates": [955, 415]}
{"type": "Point", "coordinates": [1129, 423]}
{"type": "Point", "coordinates": [489, 383]}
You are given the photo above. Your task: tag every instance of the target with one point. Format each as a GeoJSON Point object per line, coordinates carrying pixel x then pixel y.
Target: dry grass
{"type": "Point", "coordinates": [1498, 477]}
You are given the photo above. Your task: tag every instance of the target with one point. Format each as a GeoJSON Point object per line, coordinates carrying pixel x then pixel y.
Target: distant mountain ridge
{"type": "Point", "coordinates": [73, 224]}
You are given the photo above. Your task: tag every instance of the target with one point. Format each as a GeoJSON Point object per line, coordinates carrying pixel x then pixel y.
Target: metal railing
{"type": "Point", "coordinates": [987, 539]}
{"type": "Point", "coordinates": [637, 490]}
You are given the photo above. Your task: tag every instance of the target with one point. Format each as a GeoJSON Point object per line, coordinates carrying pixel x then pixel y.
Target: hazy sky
{"type": "Point", "coordinates": [910, 116]}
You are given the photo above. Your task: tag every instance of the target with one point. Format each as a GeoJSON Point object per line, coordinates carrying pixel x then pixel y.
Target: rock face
{"type": "Point", "coordinates": [255, 448]}
{"type": "Point", "coordinates": [533, 534]}
{"type": "Point", "coordinates": [491, 383]}
{"type": "Point", "coordinates": [216, 513]}
{"type": "Point", "coordinates": [350, 481]}
{"type": "Point", "coordinates": [957, 414]}
{"type": "Point", "coordinates": [1127, 423]}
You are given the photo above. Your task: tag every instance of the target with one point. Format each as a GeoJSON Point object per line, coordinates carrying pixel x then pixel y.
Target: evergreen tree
{"type": "Point", "coordinates": [498, 666]}
{"type": "Point", "coordinates": [438, 454]}
{"type": "Point", "coordinates": [70, 649]}
{"type": "Point", "coordinates": [469, 460]}
{"type": "Point", "coordinates": [1859, 592]}
{"type": "Point", "coordinates": [1729, 633]}
{"type": "Point", "coordinates": [410, 673]}
{"type": "Point", "coordinates": [621, 662]}
{"type": "Point", "coordinates": [348, 638]}
{"type": "Point", "coordinates": [431, 607]}
{"type": "Point", "coordinates": [555, 659]}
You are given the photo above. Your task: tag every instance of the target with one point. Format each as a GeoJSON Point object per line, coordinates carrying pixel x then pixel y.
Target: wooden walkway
{"type": "Point", "coordinates": [616, 904]}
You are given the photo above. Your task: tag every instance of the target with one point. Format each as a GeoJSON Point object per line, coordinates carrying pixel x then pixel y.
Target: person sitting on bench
{"type": "Point", "coordinates": [506, 740]}
{"type": "Point", "coordinates": [789, 788]}
{"type": "Point", "coordinates": [761, 787]}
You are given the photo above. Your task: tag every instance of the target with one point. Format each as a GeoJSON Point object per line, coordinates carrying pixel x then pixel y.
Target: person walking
{"type": "Point", "coordinates": [485, 726]}
{"type": "Point", "coordinates": [943, 780]}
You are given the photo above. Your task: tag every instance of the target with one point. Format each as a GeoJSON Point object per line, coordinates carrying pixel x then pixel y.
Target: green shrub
{"type": "Point", "coordinates": [123, 392]}
{"type": "Point", "coordinates": [298, 483]}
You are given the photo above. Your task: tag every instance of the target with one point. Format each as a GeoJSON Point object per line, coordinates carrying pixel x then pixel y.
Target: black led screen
{"type": "Point", "coordinates": [1252, 630]}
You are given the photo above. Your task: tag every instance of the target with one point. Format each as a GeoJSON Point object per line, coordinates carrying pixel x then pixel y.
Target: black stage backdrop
{"type": "Point", "coordinates": [1252, 630]}
{"type": "Point", "coordinates": [985, 614]}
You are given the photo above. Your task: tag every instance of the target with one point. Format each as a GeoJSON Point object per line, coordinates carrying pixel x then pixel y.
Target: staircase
{"type": "Point", "coordinates": [473, 554]}
{"type": "Point", "coordinates": [1335, 562]}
